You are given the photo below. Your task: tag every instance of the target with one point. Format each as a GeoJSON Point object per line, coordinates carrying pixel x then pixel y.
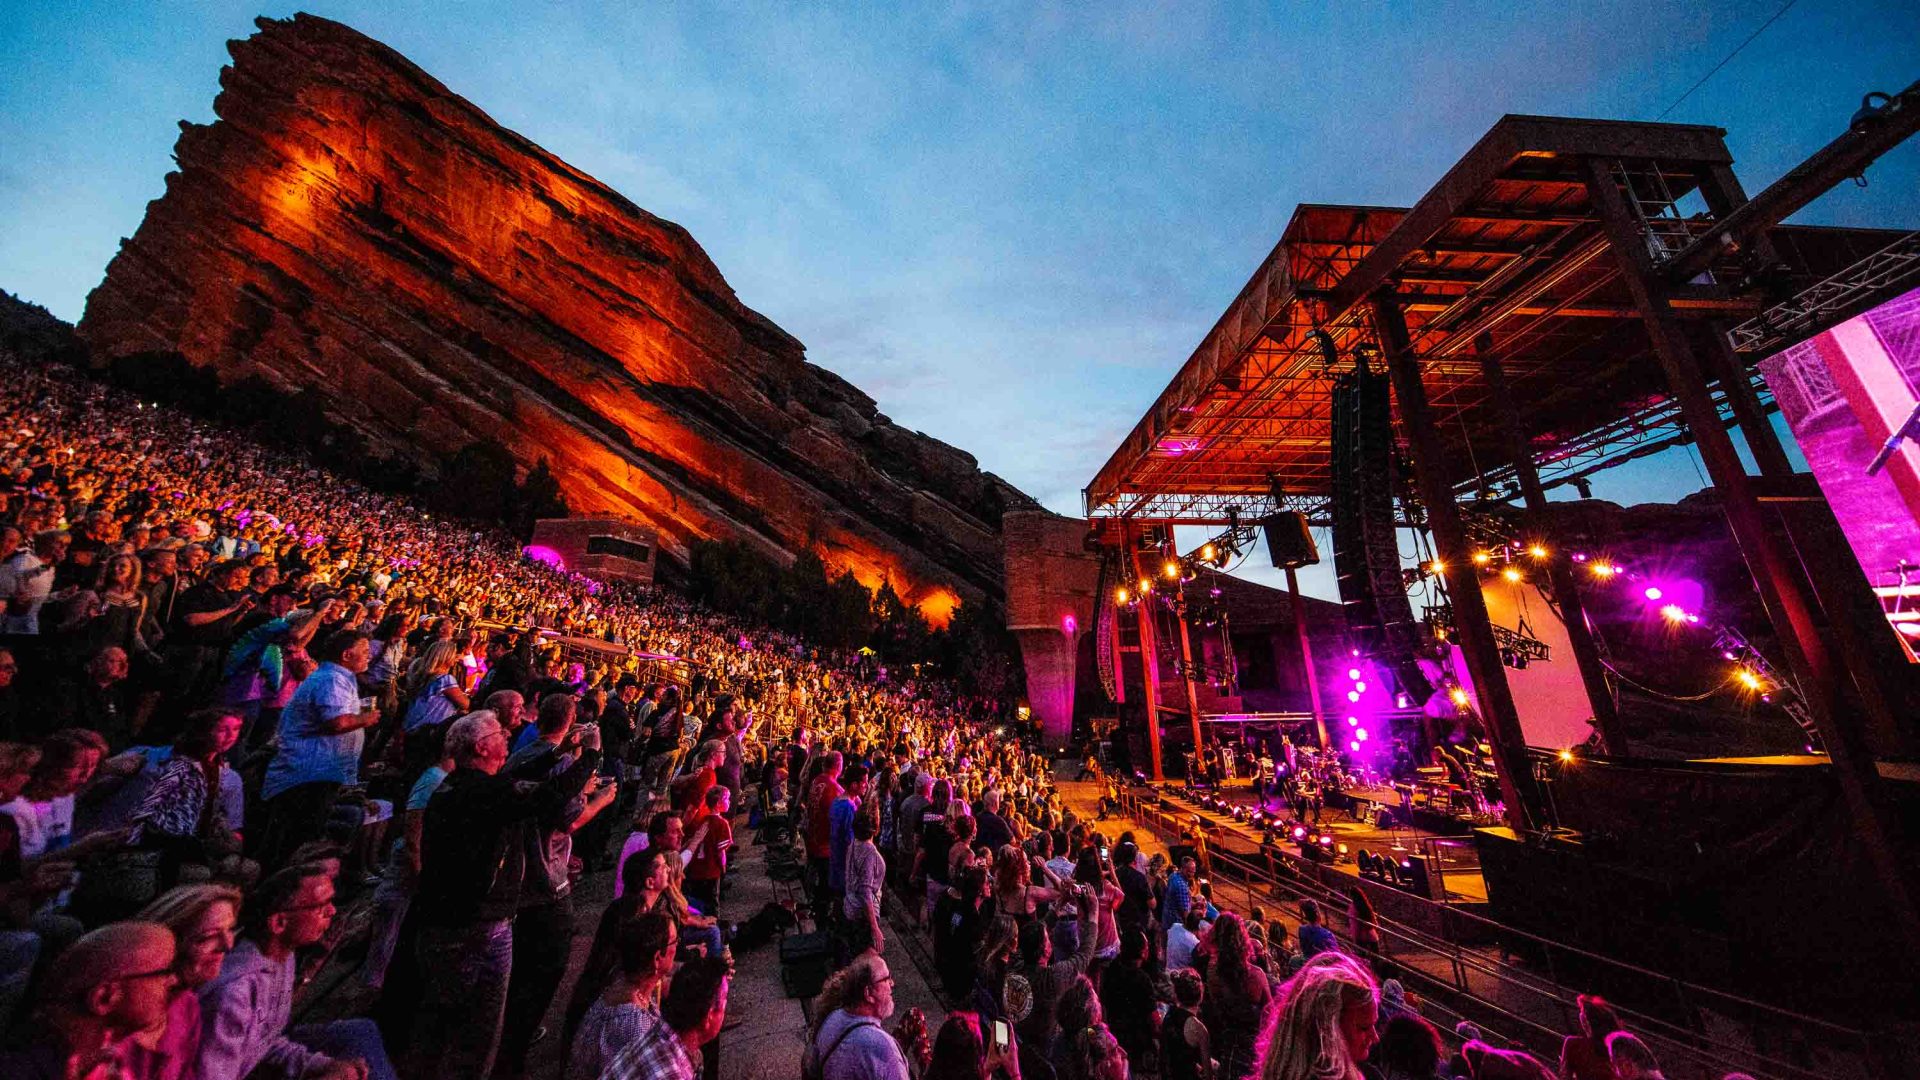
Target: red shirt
{"type": "Point", "coordinates": [709, 857]}
{"type": "Point", "coordinates": [690, 796]}
{"type": "Point", "coordinates": [819, 812]}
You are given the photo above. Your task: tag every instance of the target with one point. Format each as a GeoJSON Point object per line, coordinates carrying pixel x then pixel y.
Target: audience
{"type": "Point", "coordinates": [218, 662]}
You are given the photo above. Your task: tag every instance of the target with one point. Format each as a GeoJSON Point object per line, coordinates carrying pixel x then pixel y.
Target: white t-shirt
{"type": "Point", "coordinates": [24, 576]}
{"type": "Point", "coordinates": [1180, 943]}
{"type": "Point", "coordinates": [44, 826]}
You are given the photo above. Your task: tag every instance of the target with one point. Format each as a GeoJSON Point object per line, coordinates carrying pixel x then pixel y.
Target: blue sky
{"type": "Point", "coordinates": [1009, 223]}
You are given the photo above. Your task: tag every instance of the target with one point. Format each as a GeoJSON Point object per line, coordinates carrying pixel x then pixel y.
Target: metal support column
{"type": "Point", "coordinates": [1566, 591]}
{"type": "Point", "coordinates": [1782, 590]}
{"type": "Point", "coordinates": [1306, 658]}
{"type": "Point", "coordinates": [1149, 655]}
{"type": "Point", "coordinates": [1472, 630]}
{"type": "Point", "coordinates": [1731, 372]}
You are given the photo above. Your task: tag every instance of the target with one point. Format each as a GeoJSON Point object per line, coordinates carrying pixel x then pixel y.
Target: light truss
{"type": "Point", "coordinates": [1188, 508]}
{"type": "Point", "coordinates": [1831, 301]}
{"type": "Point", "coordinates": [1645, 431]}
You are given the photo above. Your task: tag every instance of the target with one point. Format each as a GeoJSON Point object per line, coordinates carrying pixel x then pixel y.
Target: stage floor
{"type": "Point", "coordinates": [1453, 855]}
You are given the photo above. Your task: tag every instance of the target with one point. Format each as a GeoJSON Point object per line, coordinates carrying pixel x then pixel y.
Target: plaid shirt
{"type": "Point", "coordinates": [657, 1054]}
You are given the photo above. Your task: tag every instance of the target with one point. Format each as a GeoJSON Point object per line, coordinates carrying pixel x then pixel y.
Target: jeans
{"type": "Point", "coordinates": [344, 1040]}
{"type": "Point", "coordinates": [542, 945]}
{"type": "Point", "coordinates": [464, 975]}
{"type": "Point", "coordinates": [390, 901]}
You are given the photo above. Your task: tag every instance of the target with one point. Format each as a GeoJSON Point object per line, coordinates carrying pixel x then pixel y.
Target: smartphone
{"type": "Point", "coordinates": [1002, 1036]}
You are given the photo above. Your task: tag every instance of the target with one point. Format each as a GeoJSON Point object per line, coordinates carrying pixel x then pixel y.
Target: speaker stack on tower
{"type": "Point", "coordinates": [1366, 547]}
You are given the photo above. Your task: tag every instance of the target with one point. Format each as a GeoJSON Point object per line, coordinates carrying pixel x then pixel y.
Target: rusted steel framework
{"type": "Point", "coordinates": [1560, 301]}
{"type": "Point", "coordinates": [1507, 245]}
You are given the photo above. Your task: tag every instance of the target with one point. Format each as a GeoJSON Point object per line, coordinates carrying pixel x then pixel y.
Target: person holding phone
{"type": "Point", "coordinates": [970, 1047]}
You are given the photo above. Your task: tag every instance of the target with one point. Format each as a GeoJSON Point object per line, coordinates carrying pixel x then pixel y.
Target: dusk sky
{"type": "Point", "coordinates": [1009, 224]}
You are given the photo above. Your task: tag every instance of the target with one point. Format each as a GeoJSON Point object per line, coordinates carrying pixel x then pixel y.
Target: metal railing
{"type": "Point", "coordinates": [1698, 1033]}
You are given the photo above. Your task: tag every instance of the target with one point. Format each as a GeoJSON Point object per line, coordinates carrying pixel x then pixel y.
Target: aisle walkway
{"type": "Point", "coordinates": [766, 1030]}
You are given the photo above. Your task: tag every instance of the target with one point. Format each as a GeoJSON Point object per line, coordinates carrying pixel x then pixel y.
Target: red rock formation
{"type": "Point", "coordinates": [352, 225]}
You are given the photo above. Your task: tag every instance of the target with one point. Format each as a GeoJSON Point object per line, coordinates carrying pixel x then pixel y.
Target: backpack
{"type": "Point", "coordinates": [813, 1064]}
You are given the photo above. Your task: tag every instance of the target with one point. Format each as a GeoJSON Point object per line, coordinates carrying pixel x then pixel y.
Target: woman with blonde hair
{"type": "Point", "coordinates": [203, 919]}
{"type": "Point", "coordinates": [433, 694]}
{"type": "Point", "coordinates": [1323, 1023]}
{"type": "Point", "coordinates": [112, 611]}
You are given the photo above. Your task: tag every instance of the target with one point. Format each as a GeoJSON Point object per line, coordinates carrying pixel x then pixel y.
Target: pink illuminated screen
{"type": "Point", "coordinates": [1847, 394]}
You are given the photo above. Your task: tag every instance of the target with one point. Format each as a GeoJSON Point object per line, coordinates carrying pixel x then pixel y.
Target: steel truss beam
{"type": "Point", "coordinates": [1832, 301]}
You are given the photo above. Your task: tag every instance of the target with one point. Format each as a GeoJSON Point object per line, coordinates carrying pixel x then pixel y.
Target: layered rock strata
{"type": "Point", "coordinates": [350, 225]}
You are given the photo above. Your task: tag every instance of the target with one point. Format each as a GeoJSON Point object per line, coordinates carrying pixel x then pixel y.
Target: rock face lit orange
{"type": "Point", "coordinates": [351, 225]}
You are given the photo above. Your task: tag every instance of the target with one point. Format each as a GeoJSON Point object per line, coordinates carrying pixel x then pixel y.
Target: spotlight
{"type": "Point", "coordinates": [1361, 687]}
{"type": "Point", "coordinates": [1652, 592]}
{"type": "Point", "coordinates": [1674, 613]}
{"type": "Point", "coordinates": [1566, 756]}
{"type": "Point", "coordinates": [1146, 585]}
{"type": "Point", "coordinates": [1402, 701]}
{"type": "Point", "coordinates": [1353, 673]}
{"type": "Point", "coordinates": [1748, 679]}
{"type": "Point", "coordinates": [1510, 574]}
{"type": "Point", "coordinates": [1299, 832]}
{"type": "Point", "coordinates": [1435, 566]}
{"type": "Point", "coordinates": [1172, 570]}
{"type": "Point", "coordinates": [1604, 570]}
{"type": "Point", "coordinates": [1353, 721]}
{"type": "Point", "coordinates": [1207, 552]}
{"type": "Point", "coordinates": [1482, 558]}
{"type": "Point", "coordinates": [1353, 695]}
{"type": "Point", "coordinates": [1537, 551]}
{"type": "Point", "coordinates": [1360, 735]}
{"type": "Point", "coordinates": [1354, 746]}
{"type": "Point", "coordinates": [1120, 595]}
{"type": "Point", "coordinates": [1459, 696]}
{"type": "Point", "coordinates": [1343, 850]}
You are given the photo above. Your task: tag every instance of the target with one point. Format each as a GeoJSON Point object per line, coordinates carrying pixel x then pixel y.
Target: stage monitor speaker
{"type": "Point", "coordinates": [1289, 540]}
{"type": "Point", "coordinates": [1415, 878]}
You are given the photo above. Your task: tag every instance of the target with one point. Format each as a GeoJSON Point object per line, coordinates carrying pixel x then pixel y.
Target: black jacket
{"type": "Point", "coordinates": [473, 847]}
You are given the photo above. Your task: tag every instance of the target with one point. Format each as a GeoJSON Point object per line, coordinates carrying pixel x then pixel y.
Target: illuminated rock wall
{"type": "Point", "coordinates": [1051, 579]}
{"type": "Point", "coordinates": [351, 225]}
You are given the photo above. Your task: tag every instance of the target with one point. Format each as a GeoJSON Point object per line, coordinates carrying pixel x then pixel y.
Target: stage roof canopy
{"type": "Point", "coordinates": [1504, 254]}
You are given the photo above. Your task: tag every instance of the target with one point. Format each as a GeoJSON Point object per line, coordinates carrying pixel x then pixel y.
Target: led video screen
{"type": "Point", "coordinates": [1851, 396]}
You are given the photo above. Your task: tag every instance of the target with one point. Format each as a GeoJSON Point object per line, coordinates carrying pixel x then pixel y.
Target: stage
{"type": "Point", "coordinates": [1352, 822]}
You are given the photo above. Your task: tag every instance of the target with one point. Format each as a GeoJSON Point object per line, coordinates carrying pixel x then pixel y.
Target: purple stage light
{"type": "Point", "coordinates": [1652, 592]}
{"type": "Point", "coordinates": [541, 553]}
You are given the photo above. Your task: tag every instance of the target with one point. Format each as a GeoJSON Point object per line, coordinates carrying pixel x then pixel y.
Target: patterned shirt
{"type": "Point", "coordinates": [604, 1032]}
{"type": "Point", "coordinates": [174, 805]}
{"type": "Point", "coordinates": [657, 1054]}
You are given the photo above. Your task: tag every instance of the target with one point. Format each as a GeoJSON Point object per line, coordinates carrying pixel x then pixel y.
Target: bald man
{"type": "Point", "coordinates": [105, 987]}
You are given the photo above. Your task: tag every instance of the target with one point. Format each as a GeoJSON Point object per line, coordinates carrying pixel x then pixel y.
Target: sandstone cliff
{"type": "Point", "coordinates": [350, 224]}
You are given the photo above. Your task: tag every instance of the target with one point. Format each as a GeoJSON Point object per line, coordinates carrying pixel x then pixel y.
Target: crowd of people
{"type": "Point", "coordinates": [236, 691]}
